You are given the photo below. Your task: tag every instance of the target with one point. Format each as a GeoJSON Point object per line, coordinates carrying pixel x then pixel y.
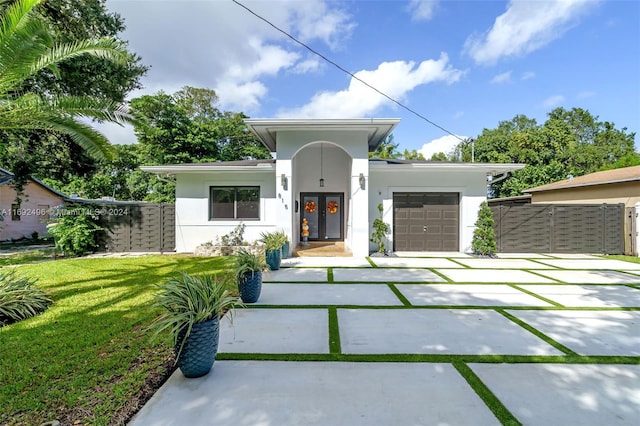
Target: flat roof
{"type": "Point", "coordinates": [375, 164]}
{"type": "Point", "coordinates": [266, 129]}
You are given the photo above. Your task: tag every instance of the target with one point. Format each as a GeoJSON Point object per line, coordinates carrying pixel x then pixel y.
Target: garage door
{"type": "Point", "coordinates": [426, 221]}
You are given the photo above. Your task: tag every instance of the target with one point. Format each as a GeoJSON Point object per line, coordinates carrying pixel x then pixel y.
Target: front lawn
{"type": "Point", "coordinates": [88, 359]}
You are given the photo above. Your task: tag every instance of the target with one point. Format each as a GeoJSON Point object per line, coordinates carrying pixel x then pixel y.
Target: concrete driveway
{"type": "Point", "coordinates": [451, 340]}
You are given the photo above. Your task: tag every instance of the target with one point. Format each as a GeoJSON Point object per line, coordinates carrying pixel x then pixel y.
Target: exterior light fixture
{"type": "Point", "coordinates": [361, 180]}
{"type": "Point", "coordinates": [283, 181]}
{"type": "Point", "coordinates": [321, 165]}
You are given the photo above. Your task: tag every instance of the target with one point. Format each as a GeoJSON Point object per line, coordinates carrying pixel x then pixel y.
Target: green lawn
{"type": "Point", "coordinates": [89, 359]}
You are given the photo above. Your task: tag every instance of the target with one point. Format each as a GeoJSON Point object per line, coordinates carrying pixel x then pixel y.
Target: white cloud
{"type": "Point", "coordinates": [311, 65]}
{"type": "Point", "coordinates": [524, 27]}
{"type": "Point", "coordinates": [504, 77]}
{"type": "Point", "coordinates": [458, 114]}
{"type": "Point", "coordinates": [422, 10]}
{"type": "Point", "coordinates": [224, 47]}
{"type": "Point", "coordinates": [444, 144]}
{"type": "Point", "coordinates": [528, 75]}
{"type": "Point", "coordinates": [395, 79]}
{"type": "Point", "coordinates": [553, 101]}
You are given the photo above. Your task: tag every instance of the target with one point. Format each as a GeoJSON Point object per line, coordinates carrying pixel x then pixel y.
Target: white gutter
{"type": "Point", "coordinates": [195, 168]}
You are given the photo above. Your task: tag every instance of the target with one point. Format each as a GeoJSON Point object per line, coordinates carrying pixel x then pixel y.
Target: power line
{"type": "Point", "coordinates": [315, 52]}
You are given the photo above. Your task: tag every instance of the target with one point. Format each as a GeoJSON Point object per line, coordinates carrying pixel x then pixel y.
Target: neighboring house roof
{"type": "Point", "coordinates": [626, 174]}
{"type": "Point", "coordinates": [6, 177]}
{"type": "Point", "coordinates": [379, 164]}
{"type": "Point", "coordinates": [377, 128]}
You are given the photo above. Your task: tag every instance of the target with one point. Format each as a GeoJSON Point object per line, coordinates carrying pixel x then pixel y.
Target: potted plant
{"type": "Point", "coordinates": [285, 244]}
{"type": "Point", "coordinates": [248, 270]}
{"type": "Point", "coordinates": [272, 249]}
{"type": "Point", "coordinates": [193, 306]}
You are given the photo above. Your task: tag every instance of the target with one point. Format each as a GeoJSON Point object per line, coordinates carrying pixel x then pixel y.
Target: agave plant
{"type": "Point", "coordinates": [189, 300]}
{"type": "Point", "coordinates": [20, 298]}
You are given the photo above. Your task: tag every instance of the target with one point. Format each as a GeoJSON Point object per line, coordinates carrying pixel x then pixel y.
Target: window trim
{"type": "Point", "coordinates": [235, 217]}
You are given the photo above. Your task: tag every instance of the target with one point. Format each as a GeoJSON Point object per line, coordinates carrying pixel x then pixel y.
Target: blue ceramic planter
{"type": "Point", "coordinates": [250, 286]}
{"type": "Point", "coordinates": [274, 257]}
{"type": "Point", "coordinates": [200, 349]}
{"type": "Point", "coordinates": [285, 250]}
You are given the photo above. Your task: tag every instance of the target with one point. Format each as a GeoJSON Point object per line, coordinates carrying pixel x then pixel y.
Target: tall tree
{"type": "Point", "coordinates": [187, 127]}
{"type": "Point", "coordinates": [56, 155]}
{"type": "Point", "coordinates": [387, 149]}
{"type": "Point", "coordinates": [570, 142]}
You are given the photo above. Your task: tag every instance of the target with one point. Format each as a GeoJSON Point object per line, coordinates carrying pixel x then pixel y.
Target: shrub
{"type": "Point", "coordinates": [77, 231]}
{"type": "Point", "coordinates": [20, 298]}
{"type": "Point", "coordinates": [380, 231]}
{"type": "Point", "coordinates": [484, 237]}
{"type": "Point", "coordinates": [235, 237]}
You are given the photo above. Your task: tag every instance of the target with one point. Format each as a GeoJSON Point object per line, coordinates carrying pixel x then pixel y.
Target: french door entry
{"type": "Point", "coordinates": [324, 213]}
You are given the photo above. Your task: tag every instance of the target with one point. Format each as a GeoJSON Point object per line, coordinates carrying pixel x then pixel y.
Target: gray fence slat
{"type": "Point", "coordinates": [560, 228]}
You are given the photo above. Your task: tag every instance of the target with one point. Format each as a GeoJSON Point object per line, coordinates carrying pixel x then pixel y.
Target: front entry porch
{"type": "Point", "coordinates": [323, 249]}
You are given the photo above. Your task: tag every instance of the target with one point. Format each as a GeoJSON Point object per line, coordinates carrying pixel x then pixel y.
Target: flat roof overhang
{"type": "Point", "coordinates": [266, 129]}
{"type": "Point", "coordinates": [491, 169]}
{"type": "Point", "coordinates": [172, 169]}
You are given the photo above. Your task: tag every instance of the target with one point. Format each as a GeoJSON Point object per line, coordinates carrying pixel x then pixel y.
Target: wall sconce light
{"type": "Point", "coordinates": [321, 183]}
{"type": "Point", "coordinates": [284, 182]}
{"type": "Point", "coordinates": [361, 180]}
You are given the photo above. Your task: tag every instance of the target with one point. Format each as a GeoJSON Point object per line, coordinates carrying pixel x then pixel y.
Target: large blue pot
{"type": "Point", "coordinates": [285, 250]}
{"type": "Point", "coordinates": [200, 349]}
{"type": "Point", "coordinates": [250, 286]}
{"type": "Point", "coordinates": [274, 257]}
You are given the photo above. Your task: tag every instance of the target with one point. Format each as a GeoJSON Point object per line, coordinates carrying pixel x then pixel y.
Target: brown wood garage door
{"type": "Point", "coordinates": [426, 221]}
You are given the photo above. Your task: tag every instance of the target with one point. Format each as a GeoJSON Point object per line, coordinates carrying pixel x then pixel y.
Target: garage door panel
{"type": "Point", "coordinates": [426, 221]}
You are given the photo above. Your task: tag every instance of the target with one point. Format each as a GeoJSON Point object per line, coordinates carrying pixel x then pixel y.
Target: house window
{"type": "Point", "coordinates": [15, 212]}
{"type": "Point", "coordinates": [234, 203]}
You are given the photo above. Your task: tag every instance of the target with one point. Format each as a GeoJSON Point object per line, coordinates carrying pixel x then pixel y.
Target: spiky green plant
{"type": "Point", "coordinates": [189, 300]}
{"type": "Point", "coordinates": [245, 261]}
{"type": "Point", "coordinates": [273, 240]}
{"type": "Point", "coordinates": [26, 48]}
{"type": "Point", "coordinates": [20, 298]}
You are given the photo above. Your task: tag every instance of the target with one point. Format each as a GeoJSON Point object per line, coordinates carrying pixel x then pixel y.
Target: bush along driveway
{"type": "Point", "coordinates": [526, 339]}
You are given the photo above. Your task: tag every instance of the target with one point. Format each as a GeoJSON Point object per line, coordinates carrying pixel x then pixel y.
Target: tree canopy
{"type": "Point", "coordinates": [184, 127]}
{"type": "Point", "coordinates": [60, 64]}
{"type": "Point", "coordinates": [570, 142]}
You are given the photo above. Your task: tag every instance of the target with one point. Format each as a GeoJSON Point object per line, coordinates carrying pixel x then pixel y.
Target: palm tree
{"type": "Point", "coordinates": [26, 47]}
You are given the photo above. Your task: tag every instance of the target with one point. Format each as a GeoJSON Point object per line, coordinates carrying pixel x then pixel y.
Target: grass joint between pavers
{"type": "Point", "coordinates": [538, 333]}
{"type": "Point", "coordinates": [491, 401]}
{"type": "Point", "coordinates": [334, 331]}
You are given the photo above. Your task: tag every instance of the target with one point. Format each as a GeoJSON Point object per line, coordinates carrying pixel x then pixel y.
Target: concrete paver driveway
{"type": "Point", "coordinates": [451, 340]}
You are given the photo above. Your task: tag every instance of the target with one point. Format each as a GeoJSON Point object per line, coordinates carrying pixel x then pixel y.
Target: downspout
{"type": "Point", "coordinates": [500, 178]}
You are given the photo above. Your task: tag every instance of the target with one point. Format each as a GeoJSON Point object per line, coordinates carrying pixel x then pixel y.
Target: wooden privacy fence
{"type": "Point", "coordinates": [560, 228]}
{"type": "Point", "coordinates": [141, 228]}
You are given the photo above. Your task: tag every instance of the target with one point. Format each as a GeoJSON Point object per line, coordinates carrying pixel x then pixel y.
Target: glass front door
{"type": "Point", "coordinates": [324, 213]}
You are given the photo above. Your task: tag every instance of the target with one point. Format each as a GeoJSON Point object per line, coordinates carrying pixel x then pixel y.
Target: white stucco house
{"type": "Point", "coordinates": [321, 172]}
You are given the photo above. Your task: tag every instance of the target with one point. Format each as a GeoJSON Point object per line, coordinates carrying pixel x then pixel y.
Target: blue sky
{"type": "Point", "coordinates": [465, 65]}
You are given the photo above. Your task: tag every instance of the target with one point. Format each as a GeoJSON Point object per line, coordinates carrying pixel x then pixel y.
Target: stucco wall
{"type": "Point", "coordinates": [193, 226]}
{"type": "Point", "coordinates": [345, 157]}
{"type": "Point", "coordinates": [471, 186]}
{"type": "Point", "coordinates": [33, 219]}
{"type": "Point", "coordinates": [613, 193]}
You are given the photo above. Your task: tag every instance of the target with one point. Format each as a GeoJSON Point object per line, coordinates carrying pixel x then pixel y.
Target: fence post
{"type": "Point", "coordinates": [635, 222]}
